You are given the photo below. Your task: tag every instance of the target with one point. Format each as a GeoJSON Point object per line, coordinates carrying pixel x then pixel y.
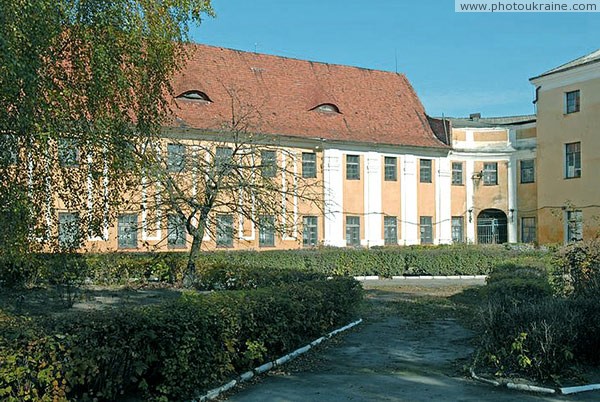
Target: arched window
{"type": "Point", "coordinates": [197, 96]}
{"type": "Point", "coordinates": [327, 108]}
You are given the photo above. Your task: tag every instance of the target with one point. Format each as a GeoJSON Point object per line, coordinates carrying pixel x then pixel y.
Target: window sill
{"type": "Point", "coordinates": [574, 177]}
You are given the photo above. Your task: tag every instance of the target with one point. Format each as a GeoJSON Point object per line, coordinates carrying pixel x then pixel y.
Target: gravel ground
{"type": "Point", "coordinates": [400, 353]}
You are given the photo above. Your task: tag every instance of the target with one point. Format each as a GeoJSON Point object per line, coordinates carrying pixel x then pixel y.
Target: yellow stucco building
{"type": "Point", "coordinates": [388, 173]}
{"type": "Point", "coordinates": [568, 114]}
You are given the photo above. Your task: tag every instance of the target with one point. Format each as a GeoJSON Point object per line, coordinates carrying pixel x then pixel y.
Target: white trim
{"type": "Point", "coordinates": [470, 220]}
{"type": "Point", "coordinates": [443, 191]}
{"type": "Point", "coordinates": [372, 200]}
{"type": "Point", "coordinates": [573, 76]}
{"type": "Point", "coordinates": [409, 210]}
{"type": "Point", "coordinates": [333, 187]}
{"type": "Point", "coordinates": [513, 218]}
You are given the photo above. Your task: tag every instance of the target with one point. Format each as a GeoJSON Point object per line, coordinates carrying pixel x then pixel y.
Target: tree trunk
{"type": "Point", "coordinates": [190, 275]}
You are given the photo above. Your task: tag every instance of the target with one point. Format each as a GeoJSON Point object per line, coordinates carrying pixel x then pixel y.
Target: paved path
{"type": "Point", "coordinates": [390, 360]}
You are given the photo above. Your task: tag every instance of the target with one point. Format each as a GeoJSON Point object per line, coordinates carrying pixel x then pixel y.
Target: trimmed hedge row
{"type": "Point", "coordinates": [170, 351]}
{"type": "Point", "coordinates": [169, 267]}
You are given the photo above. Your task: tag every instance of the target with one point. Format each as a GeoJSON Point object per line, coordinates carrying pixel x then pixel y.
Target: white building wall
{"type": "Point", "coordinates": [409, 218]}
{"type": "Point", "coordinates": [333, 186]}
{"type": "Point", "coordinates": [373, 200]}
{"type": "Point", "coordinates": [443, 191]}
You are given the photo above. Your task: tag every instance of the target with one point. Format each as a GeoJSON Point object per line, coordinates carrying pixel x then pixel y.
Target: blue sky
{"type": "Point", "coordinates": [459, 63]}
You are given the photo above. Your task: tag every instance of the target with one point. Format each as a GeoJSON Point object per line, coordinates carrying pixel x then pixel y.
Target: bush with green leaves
{"type": "Point", "coordinates": [528, 327]}
{"type": "Point", "coordinates": [166, 352]}
{"type": "Point", "coordinates": [579, 268]}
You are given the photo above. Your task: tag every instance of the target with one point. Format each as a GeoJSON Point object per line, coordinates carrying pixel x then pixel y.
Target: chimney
{"type": "Point", "coordinates": [475, 116]}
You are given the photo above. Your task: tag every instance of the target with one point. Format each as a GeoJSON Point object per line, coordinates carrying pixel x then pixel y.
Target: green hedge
{"type": "Point", "coordinates": [170, 351]}
{"type": "Point", "coordinates": [113, 268]}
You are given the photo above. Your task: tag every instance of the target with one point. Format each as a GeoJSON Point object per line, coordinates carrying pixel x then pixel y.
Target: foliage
{"type": "Point", "coordinates": [170, 351]}
{"type": "Point", "coordinates": [82, 84]}
{"type": "Point", "coordinates": [579, 269]}
{"type": "Point", "coordinates": [225, 276]}
{"type": "Point", "coordinates": [528, 327]}
{"type": "Point", "coordinates": [119, 268]}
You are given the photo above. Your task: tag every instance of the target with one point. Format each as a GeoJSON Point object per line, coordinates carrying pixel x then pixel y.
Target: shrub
{"type": "Point", "coordinates": [579, 265]}
{"type": "Point", "coordinates": [225, 276]}
{"type": "Point", "coordinates": [168, 351]}
{"type": "Point", "coordinates": [518, 283]}
{"type": "Point", "coordinates": [535, 339]}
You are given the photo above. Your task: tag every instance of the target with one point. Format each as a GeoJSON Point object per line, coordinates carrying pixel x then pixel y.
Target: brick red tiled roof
{"type": "Point", "coordinates": [280, 94]}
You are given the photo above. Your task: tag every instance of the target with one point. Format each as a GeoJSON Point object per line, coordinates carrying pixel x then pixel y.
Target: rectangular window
{"type": "Point", "coordinates": [68, 230]}
{"type": "Point", "coordinates": [127, 230]}
{"type": "Point", "coordinates": [528, 230]}
{"type": "Point", "coordinates": [426, 228]}
{"type": "Point", "coordinates": [572, 102]}
{"type": "Point", "coordinates": [68, 152]}
{"type": "Point", "coordinates": [573, 160]}
{"type": "Point", "coordinates": [266, 231]}
{"type": "Point", "coordinates": [224, 230]}
{"type": "Point", "coordinates": [457, 173]}
{"type": "Point", "coordinates": [309, 231]}
{"type": "Point", "coordinates": [9, 150]}
{"type": "Point", "coordinates": [490, 173]}
{"type": "Point", "coordinates": [268, 163]}
{"type": "Point", "coordinates": [458, 224]}
{"type": "Point", "coordinates": [390, 230]}
{"type": "Point", "coordinates": [352, 167]}
{"type": "Point", "coordinates": [391, 168]}
{"type": "Point", "coordinates": [175, 157]}
{"type": "Point", "coordinates": [309, 165]}
{"type": "Point", "coordinates": [574, 226]}
{"type": "Point", "coordinates": [353, 231]}
{"type": "Point", "coordinates": [176, 231]}
{"type": "Point", "coordinates": [425, 170]}
{"type": "Point", "coordinates": [528, 171]}
{"type": "Point", "coordinates": [223, 160]}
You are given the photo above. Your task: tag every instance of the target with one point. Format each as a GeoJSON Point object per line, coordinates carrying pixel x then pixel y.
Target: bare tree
{"type": "Point", "coordinates": [207, 184]}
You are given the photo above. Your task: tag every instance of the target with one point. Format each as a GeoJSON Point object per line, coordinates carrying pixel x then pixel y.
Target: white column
{"type": "Point", "coordinates": [333, 183]}
{"type": "Point", "coordinates": [443, 190]}
{"type": "Point", "coordinates": [470, 190]}
{"type": "Point", "coordinates": [410, 227]}
{"type": "Point", "coordinates": [373, 210]}
{"type": "Point", "coordinates": [512, 200]}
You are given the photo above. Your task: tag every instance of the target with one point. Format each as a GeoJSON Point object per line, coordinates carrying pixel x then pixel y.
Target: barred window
{"type": "Point", "coordinates": [490, 173]}
{"type": "Point", "coordinates": [352, 167]}
{"type": "Point", "coordinates": [425, 170]}
{"type": "Point", "coordinates": [426, 229]}
{"type": "Point", "coordinates": [309, 231]}
{"type": "Point", "coordinates": [309, 165]}
{"type": "Point", "coordinates": [353, 231]}
{"type": "Point", "coordinates": [390, 230]}
{"type": "Point", "coordinates": [457, 173]}
{"type": "Point", "coordinates": [458, 224]}
{"type": "Point", "coordinates": [528, 230]}
{"type": "Point", "coordinates": [391, 168]}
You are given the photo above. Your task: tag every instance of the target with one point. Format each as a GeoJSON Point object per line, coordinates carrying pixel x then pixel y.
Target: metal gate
{"type": "Point", "coordinates": [492, 227]}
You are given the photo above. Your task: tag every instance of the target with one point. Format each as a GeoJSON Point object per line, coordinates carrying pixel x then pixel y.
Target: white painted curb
{"type": "Point", "coordinates": [530, 388]}
{"type": "Point", "coordinates": [583, 388]}
{"type": "Point", "coordinates": [214, 393]}
{"type": "Point", "coordinates": [535, 388]}
{"type": "Point", "coordinates": [419, 277]}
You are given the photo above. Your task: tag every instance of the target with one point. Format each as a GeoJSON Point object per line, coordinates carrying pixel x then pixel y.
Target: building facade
{"type": "Point", "coordinates": [388, 173]}
{"type": "Point", "coordinates": [568, 113]}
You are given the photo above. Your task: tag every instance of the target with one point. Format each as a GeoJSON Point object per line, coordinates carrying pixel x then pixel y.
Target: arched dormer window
{"type": "Point", "coordinates": [197, 96]}
{"type": "Point", "coordinates": [327, 108]}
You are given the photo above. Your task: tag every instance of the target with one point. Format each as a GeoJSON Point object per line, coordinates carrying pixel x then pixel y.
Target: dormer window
{"type": "Point", "coordinates": [197, 96]}
{"type": "Point", "coordinates": [327, 108]}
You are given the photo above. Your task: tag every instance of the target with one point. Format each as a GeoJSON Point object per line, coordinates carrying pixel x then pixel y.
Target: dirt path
{"type": "Point", "coordinates": [411, 348]}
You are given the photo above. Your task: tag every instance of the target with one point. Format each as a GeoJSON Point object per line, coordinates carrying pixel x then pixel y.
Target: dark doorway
{"type": "Point", "coordinates": [492, 227]}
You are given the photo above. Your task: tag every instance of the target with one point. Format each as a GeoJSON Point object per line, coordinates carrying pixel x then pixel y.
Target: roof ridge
{"type": "Point", "coordinates": [196, 44]}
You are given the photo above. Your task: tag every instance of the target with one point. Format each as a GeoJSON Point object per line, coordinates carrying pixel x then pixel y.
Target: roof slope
{"type": "Point", "coordinates": [593, 57]}
{"type": "Point", "coordinates": [280, 94]}
{"type": "Point", "coordinates": [491, 122]}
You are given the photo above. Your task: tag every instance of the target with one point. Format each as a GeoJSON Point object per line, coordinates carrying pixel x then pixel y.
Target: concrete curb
{"type": "Point", "coordinates": [535, 388]}
{"type": "Point", "coordinates": [214, 393]}
{"type": "Point", "coordinates": [421, 277]}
